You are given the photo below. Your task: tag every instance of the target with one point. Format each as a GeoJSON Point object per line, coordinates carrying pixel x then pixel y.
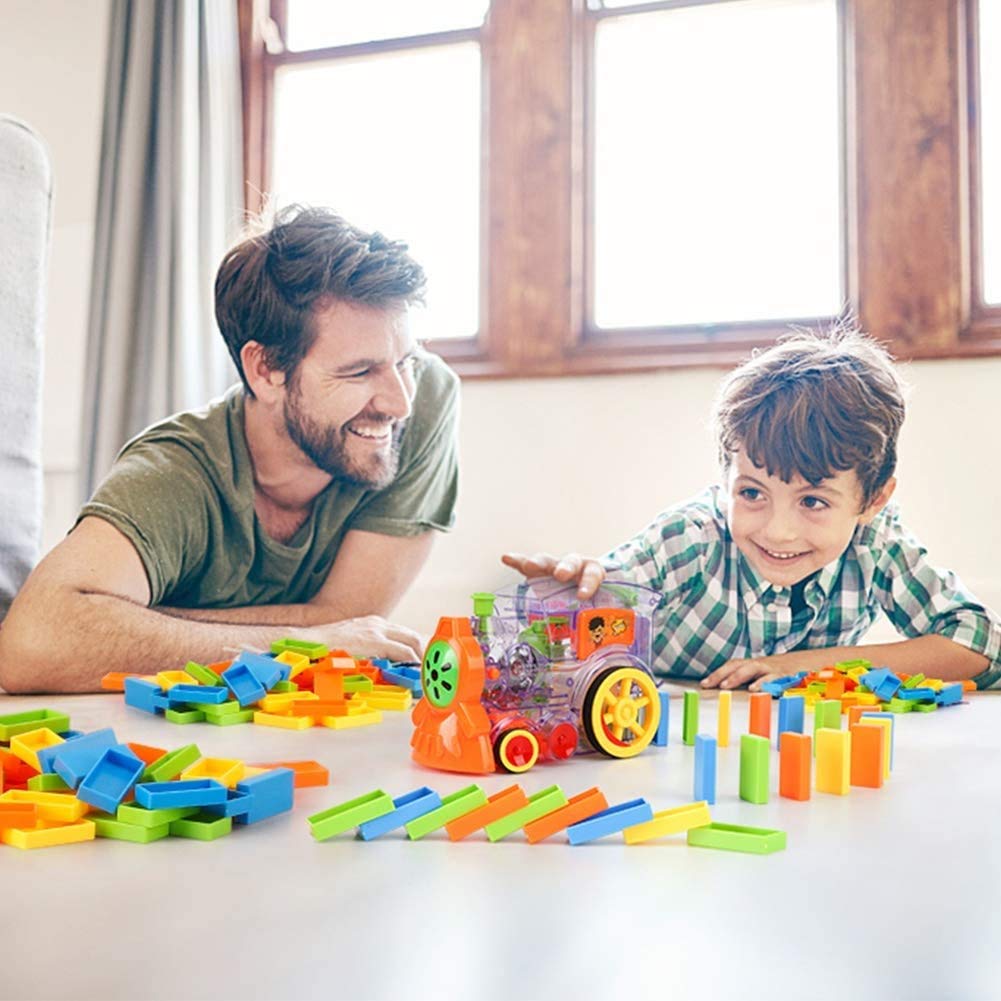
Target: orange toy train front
{"type": "Point", "coordinates": [533, 673]}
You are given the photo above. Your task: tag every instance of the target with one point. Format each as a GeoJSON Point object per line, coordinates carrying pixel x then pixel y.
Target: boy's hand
{"type": "Point", "coordinates": [585, 570]}
{"type": "Point", "coordinates": [758, 670]}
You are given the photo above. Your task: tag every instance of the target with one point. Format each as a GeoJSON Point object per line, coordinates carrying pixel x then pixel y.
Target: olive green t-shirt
{"type": "Point", "coordinates": [182, 492]}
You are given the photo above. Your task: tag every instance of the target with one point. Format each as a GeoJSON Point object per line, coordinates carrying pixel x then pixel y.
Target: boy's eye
{"type": "Point", "coordinates": [750, 493]}
{"type": "Point", "coordinates": [814, 503]}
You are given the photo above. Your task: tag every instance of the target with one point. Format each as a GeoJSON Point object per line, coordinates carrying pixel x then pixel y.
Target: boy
{"type": "Point", "coordinates": [785, 566]}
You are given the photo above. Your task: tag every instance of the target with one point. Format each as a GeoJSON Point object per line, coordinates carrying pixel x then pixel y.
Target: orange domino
{"type": "Point", "coordinates": [18, 815]}
{"type": "Point", "coordinates": [307, 773]}
{"type": "Point", "coordinates": [499, 805]}
{"type": "Point", "coordinates": [146, 754]}
{"type": "Point", "coordinates": [219, 666]}
{"type": "Point", "coordinates": [795, 760]}
{"type": "Point", "coordinates": [760, 715]}
{"type": "Point", "coordinates": [316, 708]}
{"type": "Point", "coordinates": [868, 762]}
{"type": "Point", "coordinates": [835, 688]}
{"type": "Point", "coordinates": [855, 714]}
{"type": "Point", "coordinates": [969, 686]}
{"type": "Point", "coordinates": [114, 681]}
{"type": "Point", "coordinates": [579, 807]}
{"type": "Point", "coordinates": [329, 685]}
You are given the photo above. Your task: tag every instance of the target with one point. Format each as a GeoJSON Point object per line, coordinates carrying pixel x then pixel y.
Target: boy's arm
{"type": "Point", "coordinates": [934, 656]}
{"type": "Point", "coordinates": [83, 613]}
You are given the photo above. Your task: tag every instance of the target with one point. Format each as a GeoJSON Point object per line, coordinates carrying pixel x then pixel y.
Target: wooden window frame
{"type": "Point", "coordinates": [911, 215]}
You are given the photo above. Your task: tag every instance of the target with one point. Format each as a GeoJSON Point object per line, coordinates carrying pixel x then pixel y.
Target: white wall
{"type": "Point", "coordinates": [541, 458]}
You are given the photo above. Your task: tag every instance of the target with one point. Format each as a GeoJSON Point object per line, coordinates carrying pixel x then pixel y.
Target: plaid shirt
{"type": "Point", "coordinates": [715, 607]}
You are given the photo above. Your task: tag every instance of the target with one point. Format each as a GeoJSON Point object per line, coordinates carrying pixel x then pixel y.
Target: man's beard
{"type": "Point", "coordinates": [327, 448]}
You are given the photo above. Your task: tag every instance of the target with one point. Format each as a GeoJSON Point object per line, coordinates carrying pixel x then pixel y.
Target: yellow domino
{"type": "Point", "coordinates": [167, 679]}
{"type": "Point", "coordinates": [673, 821]}
{"type": "Point", "coordinates": [857, 672]}
{"type": "Point", "coordinates": [381, 700]}
{"type": "Point", "coordinates": [865, 698]}
{"type": "Point", "coordinates": [298, 662]}
{"type": "Point", "coordinates": [227, 771]}
{"type": "Point", "coordinates": [834, 761]}
{"type": "Point", "coordinates": [933, 683]}
{"type": "Point", "coordinates": [281, 702]}
{"type": "Point", "coordinates": [723, 721]}
{"type": "Point", "coordinates": [27, 745]}
{"type": "Point", "coordinates": [283, 722]}
{"type": "Point", "coordinates": [57, 807]}
{"type": "Point", "coordinates": [366, 718]}
{"type": "Point", "coordinates": [45, 834]}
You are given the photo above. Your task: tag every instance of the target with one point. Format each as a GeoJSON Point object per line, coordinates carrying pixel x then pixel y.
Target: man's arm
{"type": "Point", "coordinates": [82, 613]}
{"type": "Point", "coordinates": [934, 656]}
{"type": "Point", "coordinates": [370, 575]}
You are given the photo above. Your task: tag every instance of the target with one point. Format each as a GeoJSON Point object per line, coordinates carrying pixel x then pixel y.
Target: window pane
{"type": "Point", "coordinates": [717, 164]}
{"type": "Point", "coordinates": [392, 142]}
{"type": "Point", "coordinates": [990, 145]}
{"type": "Point", "coordinates": [316, 24]}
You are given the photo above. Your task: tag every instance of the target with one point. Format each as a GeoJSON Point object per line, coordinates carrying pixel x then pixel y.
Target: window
{"type": "Point", "coordinates": [603, 185]}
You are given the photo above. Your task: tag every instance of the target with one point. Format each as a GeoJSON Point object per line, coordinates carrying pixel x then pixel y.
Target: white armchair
{"type": "Point", "coordinates": [25, 213]}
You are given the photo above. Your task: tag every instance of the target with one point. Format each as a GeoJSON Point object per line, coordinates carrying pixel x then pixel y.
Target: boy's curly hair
{"type": "Point", "coordinates": [813, 404]}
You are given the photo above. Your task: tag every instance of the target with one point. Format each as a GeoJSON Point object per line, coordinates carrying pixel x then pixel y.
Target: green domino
{"type": "Point", "coordinates": [222, 708]}
{"type": "Point", "coordinates": [913, 681]}
{"type": "Point", "coordinates": [201, 827]}
{"type": "Point", "coordinates": [734, 838]}
{"type": "Point", "coordinates": [921, 707]}
{"type": "Point", "coordinates": [357, 683]}
{"type": "Point", "coordinates": [204, 675]}
{"type": "Point", "coordinates": [109, 827]}
{"type": "Point", "coordinates": [690, 718]}
{"type": "Point", "coordinates": [453, 806]}
{"type": "Point", "coordinates": [848, 665]}
{"type": "Point", "coordinates": [754, 768]}
{"type": "Point", "coordinates": [185, 716]}
{"type": "Point", "coordinates": [826, 713]}
{"type": "Point", "coordinates": [16, 723]}
{"type": "Point", "coordinates": [53, 783]}
{"type": "Point", "coordinates": [284, 686]}
{"type": "Point", "coordinates": [314, 651]}
{"type": "Point", "coordinates": [231, 719]}
{"type": "Point", "coordinates": [344, 816]}
{"type": "Point", "coordinates": [900, 705]}
{"type": "Point", "coordinates": [541, 803]}
{"type": "Point", "coordinates": [172, 764]}
{"type": "Point", "coordinates": [139, 816]}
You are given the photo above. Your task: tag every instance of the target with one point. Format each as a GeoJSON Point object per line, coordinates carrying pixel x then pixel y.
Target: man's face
{"type": "Point", "coordinates": [346, 402]}
{"type": "Point", "coordinates": [788, 531]}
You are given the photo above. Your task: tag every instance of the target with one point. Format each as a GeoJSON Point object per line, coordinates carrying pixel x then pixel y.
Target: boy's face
{"type": "Point", "coordinates": [788, 531]}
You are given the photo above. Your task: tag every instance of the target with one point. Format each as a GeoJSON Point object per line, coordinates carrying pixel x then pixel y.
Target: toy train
{"type": "Point", "coordinates": [533, 673]}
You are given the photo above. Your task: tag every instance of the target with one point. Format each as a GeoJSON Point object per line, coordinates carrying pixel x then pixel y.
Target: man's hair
{"type": "Point", "coordinates": [814, 404]}
{"type": "Point", "coordinates": [268, 284]}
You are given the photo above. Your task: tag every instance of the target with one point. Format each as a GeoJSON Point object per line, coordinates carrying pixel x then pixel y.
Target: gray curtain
{"type": "Point", "coordinates": [169, 204]}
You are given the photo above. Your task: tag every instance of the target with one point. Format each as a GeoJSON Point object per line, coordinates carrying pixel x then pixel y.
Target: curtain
{"type": "Point", "coordinates": [169, 204]}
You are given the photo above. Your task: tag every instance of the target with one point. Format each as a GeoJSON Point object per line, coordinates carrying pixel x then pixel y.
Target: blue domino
{"type": "Point", "coordinates": [108, 782]}
{"type": "Point", "coordinates": [244, 684]}
{"type": "Point", "coordinates": [705, 769]}
{"type": "Point", "coordinates": [140, 694]}
{"type": "Point", "coordinates": [611, 821]}
{"type": "Point", "coordinates": [237, 803]}
{"type": "Point", "coordinates": [270, 794]}
{"type": "Point", "coordinates": [186, 792]}
{"type": "Point", "coordinates": [47, 755]}
{"type": "Point", "coordinates": [917, 694]}
{"type": "Point", "coordinates": [665, 718]}
{"type": "Point", "coordinates": [266, 669]}
{"type": "Point", "coordinates": [200, 694]}
{"type": "Point", "coordinates": [948, 695]}
{"type": "Point", "coordinates": [406, 808]}
{"type": "Point", "coordinates": [402, 675]}
{"type": "Point", "coordinates": [76, 757]}
{"type": "Point", "coordinates": [874, 677]}
{"type": "Point", "coordinates": [777, 686]}
{"type": "Point", "coordinates": [791, 713]}
{"type": "Point", "coordinates": [893, 728]}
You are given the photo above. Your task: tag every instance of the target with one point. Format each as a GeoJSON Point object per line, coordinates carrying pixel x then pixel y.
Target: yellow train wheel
{"type": "Point", "coordinates": [621, 712]}
{"type": "Point", "coordinates": [517, 750]}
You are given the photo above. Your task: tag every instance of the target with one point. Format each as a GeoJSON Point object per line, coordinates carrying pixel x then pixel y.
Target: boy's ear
{"type": "Point", "coordinates": [264, 380]}
{"type": "Point", "coordinates": [879, 501]}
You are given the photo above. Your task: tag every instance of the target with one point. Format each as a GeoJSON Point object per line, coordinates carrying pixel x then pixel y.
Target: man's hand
{"type": "Point", "coordinates": [369, 636]}
{"type": "Point", "coordinates": [585, 570]}
{"type": "Point", "coordinates": [758, 670]}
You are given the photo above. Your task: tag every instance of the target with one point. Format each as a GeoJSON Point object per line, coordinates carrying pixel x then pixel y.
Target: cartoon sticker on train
{"type": "Point", "coordinates": [533, 673]}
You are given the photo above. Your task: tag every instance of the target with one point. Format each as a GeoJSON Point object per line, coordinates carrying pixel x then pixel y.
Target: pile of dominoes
{"type": "Point", "coordinates": [58, 786]}
{"type": "Point", "coordinates": [297, 686]}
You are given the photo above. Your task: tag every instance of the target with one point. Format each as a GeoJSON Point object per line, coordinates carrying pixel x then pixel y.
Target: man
{"type": "Point", "coordinates": [301, 503]}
